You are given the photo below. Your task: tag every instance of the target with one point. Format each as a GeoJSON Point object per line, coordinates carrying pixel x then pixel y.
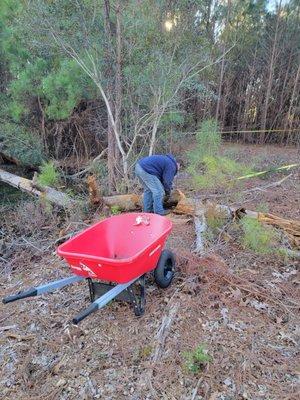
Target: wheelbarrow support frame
{"type": "Point", "coordinates": [110, 293]}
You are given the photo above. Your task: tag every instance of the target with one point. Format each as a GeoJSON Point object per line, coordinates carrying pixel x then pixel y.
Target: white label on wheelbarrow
{"type": "Point", "coordinates": [155, 250]}
{"type": "Point", "coordinates": [75, 267]}
{"type": "Point", "coordinates": [87, 269]}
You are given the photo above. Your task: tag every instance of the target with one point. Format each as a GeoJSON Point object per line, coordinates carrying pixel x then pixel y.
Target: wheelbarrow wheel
{"type": "Point", "coordinates": [164, 271]}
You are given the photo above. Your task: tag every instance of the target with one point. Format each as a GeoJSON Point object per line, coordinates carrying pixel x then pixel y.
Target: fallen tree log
{"type": "Point", "coordinates": [26, 185]}
{"type": "Point", "coordinates": [124, 202]}
{"type": "Point", "coordinates": [183, 205]}
{"type": "Point", "coordinates": [132, 202]}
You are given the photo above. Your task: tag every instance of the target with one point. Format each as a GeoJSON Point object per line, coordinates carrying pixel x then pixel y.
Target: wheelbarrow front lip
{"type": "Point", "coordinates": [99, 259]}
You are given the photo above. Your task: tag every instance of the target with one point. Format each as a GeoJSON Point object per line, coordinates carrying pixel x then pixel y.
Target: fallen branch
{"type": "Point", "coordinates": [291, 227]}
{"type": "Point", "coordinates": [283, 168]}
{"type": "Point", "coordinates": [164, 331]}
{"type": "Point", "coordinates": [200, 228]}
{"type": "Point", "coordinates": [26, 185]}
{"type": "Point", "coordinates": [195, 391]}
{"type": "Point", "coordinates": [256, 188]}
{"type": "Point", "coordinates": [268, 186]}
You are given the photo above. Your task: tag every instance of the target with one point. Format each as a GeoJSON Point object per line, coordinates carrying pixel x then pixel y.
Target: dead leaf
{"type": "Point", "coordinates": [57, 366]}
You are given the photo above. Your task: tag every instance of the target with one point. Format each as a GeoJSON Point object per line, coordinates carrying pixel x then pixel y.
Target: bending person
{"type": "Point", "coordinates": [156, 173]}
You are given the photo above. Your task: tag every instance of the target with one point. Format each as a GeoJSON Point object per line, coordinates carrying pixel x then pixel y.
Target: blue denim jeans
{"type": "Point", "coordinates": [153, 191]}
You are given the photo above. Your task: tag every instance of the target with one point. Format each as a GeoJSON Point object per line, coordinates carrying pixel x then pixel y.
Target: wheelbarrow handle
{"type": "Point", "coordinates": [92, 308]}
{"type": "Point", "coordinates": [48, 287]}
{"type": "Point", "coordinates": [20, 295]}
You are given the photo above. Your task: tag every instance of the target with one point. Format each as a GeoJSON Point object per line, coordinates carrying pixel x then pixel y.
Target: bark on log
{"type": "Point", "coordinates": [26, 185]}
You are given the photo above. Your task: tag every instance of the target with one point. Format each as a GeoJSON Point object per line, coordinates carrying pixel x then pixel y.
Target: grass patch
{"type": "Point", "coordinates": [197, 359]}
{"type": "Point", "coordinates": [257, 237]}
{"type": "Point", "coordinates": [48, 175]}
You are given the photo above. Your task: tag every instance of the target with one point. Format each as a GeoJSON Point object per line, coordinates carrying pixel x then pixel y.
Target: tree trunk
{"type": "Point", "coordinates": [248, 95]}
{"type": "Point", "coordinates": [270, 80]}
{"type": "Point", "coordinates": [111, 138]}
{"type": "Point", "coordinates": [222, 68]}
{"type": "Point", "coordinates": [118, 88]}
{"type": "Point", "coordinates": [290, 116]}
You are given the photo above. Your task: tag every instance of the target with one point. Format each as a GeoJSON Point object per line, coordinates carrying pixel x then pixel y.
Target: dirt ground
{"type": "Point", "coordinates": [243, 307]}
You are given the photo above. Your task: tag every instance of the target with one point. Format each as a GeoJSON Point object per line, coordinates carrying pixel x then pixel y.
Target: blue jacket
{"type": "Point", "coordinates": [162, 166]}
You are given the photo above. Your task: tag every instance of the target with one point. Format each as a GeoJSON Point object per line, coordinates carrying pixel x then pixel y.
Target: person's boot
{"type": "Point", "coordinates": [165, 212]}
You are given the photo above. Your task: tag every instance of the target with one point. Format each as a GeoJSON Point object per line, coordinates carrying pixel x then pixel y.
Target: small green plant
{"type": "Point", "coordinates": [197, 359]}
{"type": "Point", "coordinates": [48, 175]}
{"type": "Point", "coordinates": [145, 352]}
{"type": "Point", "coordinates": [257, 237]}
{"type": "Point", "coordinates": [115, 210]}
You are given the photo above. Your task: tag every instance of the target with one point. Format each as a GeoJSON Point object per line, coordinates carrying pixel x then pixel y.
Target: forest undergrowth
{"type": "Point", "coordinates": [225, 329]}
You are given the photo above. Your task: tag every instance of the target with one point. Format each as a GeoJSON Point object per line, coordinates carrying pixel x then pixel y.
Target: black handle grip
{"type": "Point", "coordinates": [92, 308]}
{"type": "Point", "coordinates": [20, 295]}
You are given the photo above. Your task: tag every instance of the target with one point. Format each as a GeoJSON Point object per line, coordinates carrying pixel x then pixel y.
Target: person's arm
{"type": "Point", "coordinates": [168, 177]}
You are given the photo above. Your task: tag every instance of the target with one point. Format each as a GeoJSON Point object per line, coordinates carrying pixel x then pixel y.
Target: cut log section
{"type": "Point", "coordinates": [132, 202]}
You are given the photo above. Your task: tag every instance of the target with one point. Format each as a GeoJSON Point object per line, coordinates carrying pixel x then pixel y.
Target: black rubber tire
{"type": "Point", "coordinates": [164, 271]}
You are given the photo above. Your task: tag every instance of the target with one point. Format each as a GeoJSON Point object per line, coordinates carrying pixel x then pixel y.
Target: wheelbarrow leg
{"type": "Point", "coordinates": [138, 300]}
{"type": "Point", "coordinates": [48, 287]}
{"type": "Point", "coordinates": [102, 301]}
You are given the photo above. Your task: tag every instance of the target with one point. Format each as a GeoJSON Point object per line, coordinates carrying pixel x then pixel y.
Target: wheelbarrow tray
{"type": "Point", "coordinates": [117, 249]}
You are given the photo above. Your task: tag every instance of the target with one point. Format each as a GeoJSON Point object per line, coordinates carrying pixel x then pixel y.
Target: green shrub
{"type": "Point", "coordinates": [206, 167]}
{"type": "Point", "coordinates": [48, 175]}
{"type": "Point", "coordinates": [25, 85]}
{"type": "Point", "coordinates": [218, 171]}
{"type": "Point", "coordinates": [257, 237]}
{"type": "Point", "coordinates": [18, 143]}
{"type": "Point", "coordinates": [208, 141]}
{"type": "Point", "coordinates": [64, 87]}
{"type": "Point", "coordinates": [197, 359]}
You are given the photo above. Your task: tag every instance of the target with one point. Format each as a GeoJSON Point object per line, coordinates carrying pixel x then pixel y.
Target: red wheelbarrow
{"type": "Point", "coordinates": [119, 250]}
